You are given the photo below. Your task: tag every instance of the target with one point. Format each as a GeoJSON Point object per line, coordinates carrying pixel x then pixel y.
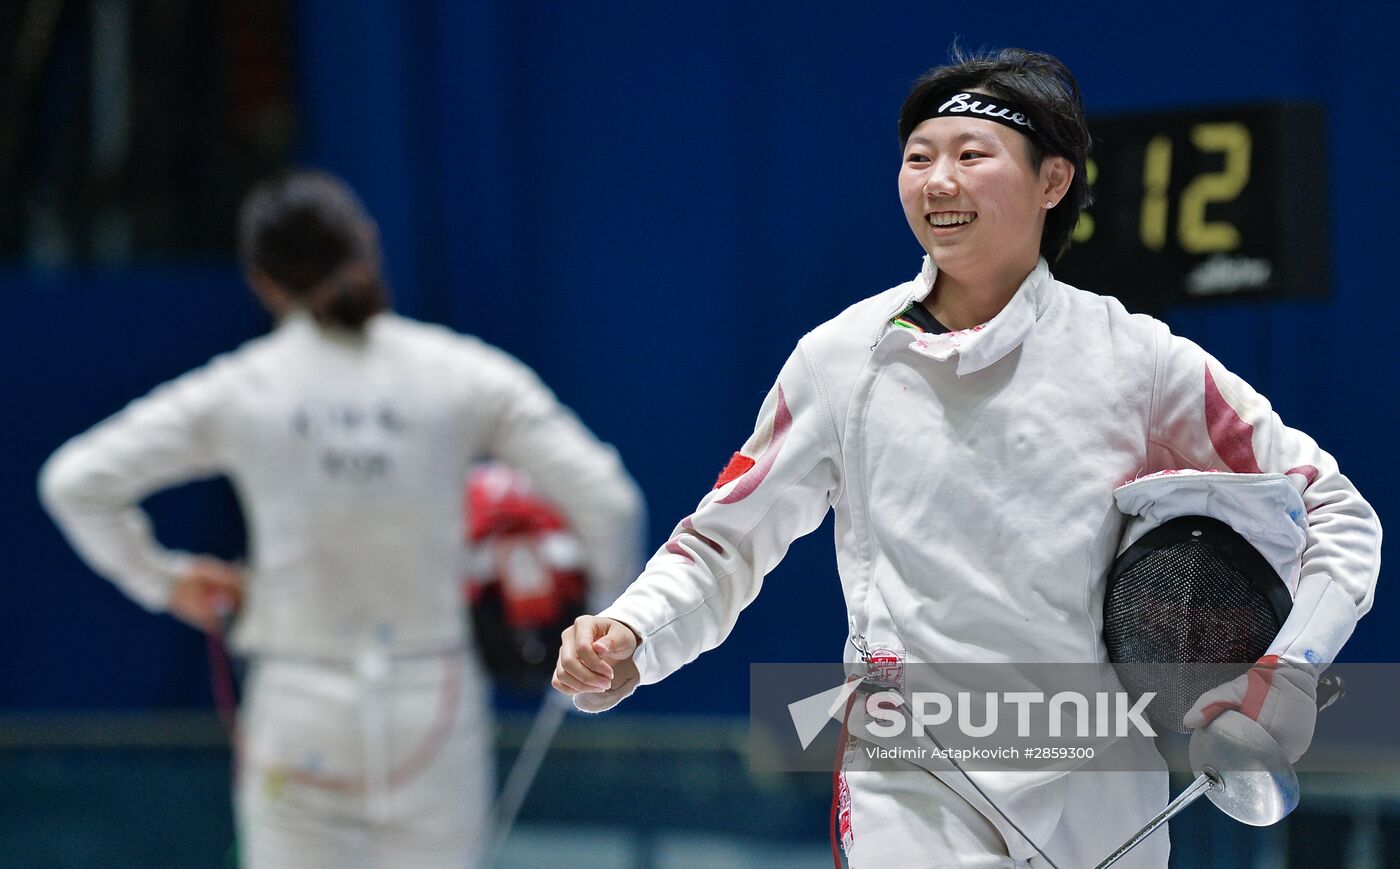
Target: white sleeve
{"type": "Point", "coordinates": [776, 489]}
{"type": "Point", "coordinates": [1204, 417]}
{"type": "Point", "coordinates": [93, 485]}
{"type": "Point", "coordinates": [532, 431]}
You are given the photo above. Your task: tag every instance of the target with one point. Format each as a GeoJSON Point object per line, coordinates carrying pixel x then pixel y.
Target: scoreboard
{"type": "Point", "coordinates": [1217, 203]}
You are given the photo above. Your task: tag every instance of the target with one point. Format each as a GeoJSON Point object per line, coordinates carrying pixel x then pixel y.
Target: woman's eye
{"type": "Point", "coordinates": [971, 155]}
{"type": "Point", "coordinates": [917, 158]}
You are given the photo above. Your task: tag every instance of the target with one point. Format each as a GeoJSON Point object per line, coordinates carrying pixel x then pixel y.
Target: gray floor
{"type": "Point", "coordinates": [152, 792]}
{"type": "Point", "coordinates": [534, 847]}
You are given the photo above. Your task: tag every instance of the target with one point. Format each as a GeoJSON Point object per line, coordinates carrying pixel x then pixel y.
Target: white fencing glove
{"type": "Point", "coordinates": [1279, 695]}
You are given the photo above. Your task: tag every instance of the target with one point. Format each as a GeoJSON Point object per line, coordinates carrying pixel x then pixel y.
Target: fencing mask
{"type": "Point", "coordinates": [524, 580]}
{"type": "Point", "coordinates": [1203, 582]}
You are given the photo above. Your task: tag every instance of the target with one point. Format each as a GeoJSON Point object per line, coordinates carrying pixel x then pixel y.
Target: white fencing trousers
{"type": "Point", "coordinates": [387, 763]}
{"type": "Point", "coordinates": [912, 820]}
{"type": "Point", "coordinates": [1102, 811]}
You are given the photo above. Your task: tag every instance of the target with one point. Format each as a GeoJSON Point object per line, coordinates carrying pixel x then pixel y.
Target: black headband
{"type": "Point", "coordinates": [975, 105]}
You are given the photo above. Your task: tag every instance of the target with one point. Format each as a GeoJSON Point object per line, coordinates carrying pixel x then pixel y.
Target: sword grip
{"type": "Point", "coordinates": [1330, 689]}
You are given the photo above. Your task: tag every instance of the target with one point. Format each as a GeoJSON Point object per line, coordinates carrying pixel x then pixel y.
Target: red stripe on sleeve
{"type": "Point", "coordinates": [1232, 437]}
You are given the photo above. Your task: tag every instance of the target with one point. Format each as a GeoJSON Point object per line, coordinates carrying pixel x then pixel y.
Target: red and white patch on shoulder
{"type": "Point", "coordinates": [776, 436]}
{"type": "Point", "coordinates": [739, 465]}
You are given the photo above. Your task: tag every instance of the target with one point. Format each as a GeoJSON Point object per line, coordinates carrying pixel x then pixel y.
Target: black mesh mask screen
{"type": "Point", "coordinates": [1190, 592]}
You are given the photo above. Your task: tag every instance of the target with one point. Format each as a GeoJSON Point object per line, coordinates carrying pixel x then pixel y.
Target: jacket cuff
{"type": "Point", "coordinates": [1321, 621]}
{"type": "Point", "coordinates": [152, 589]}
{"type": "Point", "coordinates": [645, 655]}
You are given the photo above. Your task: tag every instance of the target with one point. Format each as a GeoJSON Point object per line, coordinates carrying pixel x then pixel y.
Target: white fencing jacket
{"type": "Point", "coordinates": [349, 454]}
{"type": "Point", "coordinates": [972, 475]}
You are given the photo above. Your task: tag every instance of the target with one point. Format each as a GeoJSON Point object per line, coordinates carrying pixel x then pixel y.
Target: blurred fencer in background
{"type": "Point", "coordinates": [348, 433]}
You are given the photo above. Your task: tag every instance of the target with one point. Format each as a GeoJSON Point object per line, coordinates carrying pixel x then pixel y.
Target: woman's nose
{"type": "Point", "coordinates": [940, 181]}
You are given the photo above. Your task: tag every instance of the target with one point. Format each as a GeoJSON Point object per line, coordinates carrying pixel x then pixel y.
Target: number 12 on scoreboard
{"type": "Point", "coordinates": [1206, 202]}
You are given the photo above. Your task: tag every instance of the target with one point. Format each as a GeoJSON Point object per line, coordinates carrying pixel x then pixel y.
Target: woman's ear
{"type": "Point", "coordinates": [1057, 173]}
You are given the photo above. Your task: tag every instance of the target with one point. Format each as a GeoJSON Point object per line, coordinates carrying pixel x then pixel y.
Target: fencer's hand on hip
{"type": "Point", "coordinates": [208, 593]}
{"type": "Point", "coordinates": [595, 663]}
{"type": "Point", "coordinates": [1281, 696]}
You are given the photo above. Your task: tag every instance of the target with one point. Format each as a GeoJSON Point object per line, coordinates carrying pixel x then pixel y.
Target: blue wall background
{"type": "Point", "coordinates": [650, 203]}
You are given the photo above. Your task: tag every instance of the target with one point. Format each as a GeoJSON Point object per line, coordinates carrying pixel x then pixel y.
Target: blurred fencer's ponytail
{"type": "Point", "coordinates": [309, 234]}
{"type": "Point", "coordinates": [348, 297]}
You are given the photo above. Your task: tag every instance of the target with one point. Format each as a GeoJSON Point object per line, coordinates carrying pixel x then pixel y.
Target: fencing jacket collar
{"type": "Point", "coordinates": [983, 345]}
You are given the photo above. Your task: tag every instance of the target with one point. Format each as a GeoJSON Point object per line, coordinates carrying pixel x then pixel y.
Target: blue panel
{"type": "Point", "coordinates": [86, 344]}
{"type": "Point", "coordinates": [363, 112]}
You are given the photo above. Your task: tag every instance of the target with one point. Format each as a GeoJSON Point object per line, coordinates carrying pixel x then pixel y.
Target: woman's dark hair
{"type": "Point", "coordinates": [308, 232]}
{"type": "Point", "coordinates": [1045, 90]}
